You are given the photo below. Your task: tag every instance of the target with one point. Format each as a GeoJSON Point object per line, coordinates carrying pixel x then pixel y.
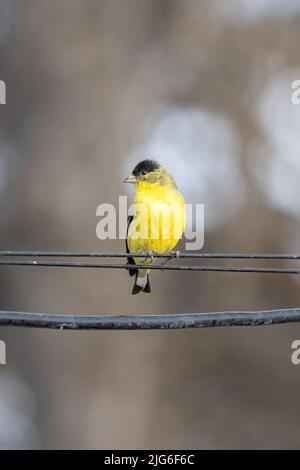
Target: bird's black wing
{"type": "Point", "coordinates": [130, 260]}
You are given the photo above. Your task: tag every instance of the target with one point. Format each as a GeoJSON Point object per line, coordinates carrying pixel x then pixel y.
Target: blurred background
{"type": "Point", "coordinates": [203, 86]}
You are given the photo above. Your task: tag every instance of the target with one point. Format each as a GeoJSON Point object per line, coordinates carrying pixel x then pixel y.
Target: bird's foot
{"type": "Point", "coordinates": [150, 255]}
{"type": "Point", "coordinates": [171, 255]}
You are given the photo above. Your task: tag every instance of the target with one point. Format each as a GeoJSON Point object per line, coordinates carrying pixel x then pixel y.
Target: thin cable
{"type": "Point", "coordinates": [149, 322]}
{"type": "Point", "coordinates": [77, 264]}
{"type": "Point", "coordinates": [99, 254]}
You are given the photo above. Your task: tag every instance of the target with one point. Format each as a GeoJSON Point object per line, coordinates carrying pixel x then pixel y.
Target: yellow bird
{"type": "Point", "coordinates": [156, 219]}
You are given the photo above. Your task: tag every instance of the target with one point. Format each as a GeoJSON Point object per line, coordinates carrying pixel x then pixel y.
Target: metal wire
{"type": "Point", "coordinates": [160, 267]}
{"type": "Point", "coordinates": [149, 322]}
{"type": "Point", "coordinates": [99, 254]}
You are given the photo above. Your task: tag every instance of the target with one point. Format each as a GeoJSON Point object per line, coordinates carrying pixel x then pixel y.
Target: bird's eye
{"type": "Point", "coordinates": [143, 172]}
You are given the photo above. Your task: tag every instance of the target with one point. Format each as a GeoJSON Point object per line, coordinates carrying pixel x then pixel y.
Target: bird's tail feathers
{"type": "Point", "coordinates": [141, 283]}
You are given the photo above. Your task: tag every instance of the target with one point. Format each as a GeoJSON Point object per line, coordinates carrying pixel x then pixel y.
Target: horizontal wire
{"type": "Point", "coordinates": [149, 322]}
{"type": "Point", "coordinates": [96, 254]}
{"type": "Point", "coordinates": [77, 264]}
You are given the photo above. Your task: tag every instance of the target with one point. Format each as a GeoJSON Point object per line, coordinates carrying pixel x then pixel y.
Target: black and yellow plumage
{"type": "Point", "coordinates": [156, 219]}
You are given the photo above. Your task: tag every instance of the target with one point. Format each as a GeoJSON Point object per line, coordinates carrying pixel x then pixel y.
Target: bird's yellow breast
{"type": "Point", "coordinates": [159, 219]}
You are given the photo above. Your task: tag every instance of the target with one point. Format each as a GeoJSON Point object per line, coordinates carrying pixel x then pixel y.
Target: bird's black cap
{"type": "Point", "coordinates": [146, 165]}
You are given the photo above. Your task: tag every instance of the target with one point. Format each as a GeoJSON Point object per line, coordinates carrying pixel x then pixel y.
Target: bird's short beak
{"type": "Point", "coordinates": [130, 179]}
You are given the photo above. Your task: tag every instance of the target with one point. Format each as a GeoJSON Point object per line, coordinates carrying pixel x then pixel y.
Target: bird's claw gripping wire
{"type": "Point", "coordinates": [171, 255]}
{"type": "Point", "coordinates": [150, 255]}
